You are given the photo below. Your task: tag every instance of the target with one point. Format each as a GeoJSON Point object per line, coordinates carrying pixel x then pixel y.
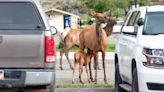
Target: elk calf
{"type": "Point", "coordinates": [83, 59]}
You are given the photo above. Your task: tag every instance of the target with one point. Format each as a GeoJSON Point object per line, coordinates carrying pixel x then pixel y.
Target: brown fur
{"type": "Point", "coordinates": [72, 39]}
{"type": "Point", "coordinates": [83, 59]}
{"type": "Point", "coordinates": [109, 28]}
{"type": "Point", "coordinates": [89, 39]}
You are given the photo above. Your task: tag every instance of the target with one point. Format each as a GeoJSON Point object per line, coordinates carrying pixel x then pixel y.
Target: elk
{"type": "Point", "coordinates": [83, 59]}
{"type": "Point", "coordinates": [72, 38]}
{"type": "Point", "coordinates": [96, 40]}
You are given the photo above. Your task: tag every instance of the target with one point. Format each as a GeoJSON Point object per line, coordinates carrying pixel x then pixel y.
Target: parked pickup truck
{"type": "Point", "coordinates": [27, 52]}
{"type": "Point", "coordinates": [139, 56]}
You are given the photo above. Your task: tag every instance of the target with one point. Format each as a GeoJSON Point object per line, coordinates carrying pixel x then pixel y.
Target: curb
{"type": "Point", "coordinates": [84, 90]}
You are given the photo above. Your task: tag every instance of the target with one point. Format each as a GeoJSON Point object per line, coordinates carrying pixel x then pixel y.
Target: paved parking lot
{"type": "Point", "coordinates": [65, 76]}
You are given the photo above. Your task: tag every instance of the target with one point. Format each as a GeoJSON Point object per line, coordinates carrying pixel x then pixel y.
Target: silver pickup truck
{"type": "Point", "coordinates": [27, 52]}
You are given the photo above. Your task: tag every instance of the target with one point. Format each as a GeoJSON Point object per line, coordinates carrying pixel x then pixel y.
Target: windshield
{"type": "Point", "coordinates": [19, 15]}
{"type": "Point", "coordinates": [154, 23]}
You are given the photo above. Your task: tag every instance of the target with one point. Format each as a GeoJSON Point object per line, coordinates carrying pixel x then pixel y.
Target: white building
{"type": "Point", "coordinates": [60, 19]}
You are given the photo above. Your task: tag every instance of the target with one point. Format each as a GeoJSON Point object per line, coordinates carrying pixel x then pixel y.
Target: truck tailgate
{"type": "Point", "coordinates": [22, 50]}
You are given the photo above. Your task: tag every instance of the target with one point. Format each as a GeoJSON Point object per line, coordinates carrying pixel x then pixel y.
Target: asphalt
{"type": "Point", "coordinates": [65, 76]}
{"type": "Point", "coordinates": [67, 90]}
{"type": "Point", "coordinates": [86, 90]}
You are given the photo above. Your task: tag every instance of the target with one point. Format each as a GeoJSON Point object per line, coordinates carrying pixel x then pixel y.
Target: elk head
{"type": "Point", "coordinates": [110, 24]}
{"type": "Point", "coordinates": [100, 17]}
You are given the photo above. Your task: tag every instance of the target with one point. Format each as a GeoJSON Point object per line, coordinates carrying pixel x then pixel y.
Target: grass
{"type": "Point", "coordinates": [60, 85]}
{"type": "Point", "coordinates": [110, 48]}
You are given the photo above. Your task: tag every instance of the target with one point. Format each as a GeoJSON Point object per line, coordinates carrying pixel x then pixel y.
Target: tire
{"type": "Point", "coordinates": [51, 87]}
{"type": "Point", "coordinates": [135, 81]}
{"type": "Point", "coordinates": [118, 80]}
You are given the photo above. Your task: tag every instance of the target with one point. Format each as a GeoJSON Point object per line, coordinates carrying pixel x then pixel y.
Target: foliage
{"type": "Point", "coordinates": [47, 4]}
{"type": "Point", "coordinates": [65, 5]}
{"type": "Point", "coordinates": [110, 47]}
{"type": "Point", "coordinates": [69, 5]}
{"type": "Point", "coordinates": [114, 7]}
{"type": "Point", "coordinates": [61, 45]}
{"type": "Point", "coordinates": [144, 2]}
{"type": "Point", "coordinates": [97, 5]}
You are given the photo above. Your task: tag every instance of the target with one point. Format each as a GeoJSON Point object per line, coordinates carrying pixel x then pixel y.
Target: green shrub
{"type": "Point", "coordinates": [110, 47]}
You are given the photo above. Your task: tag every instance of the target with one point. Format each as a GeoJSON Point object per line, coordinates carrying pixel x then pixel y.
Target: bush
{"type": "Point", "coordinates": [110, 47]}
{"type": "Point", "coordinates": [60, 45]}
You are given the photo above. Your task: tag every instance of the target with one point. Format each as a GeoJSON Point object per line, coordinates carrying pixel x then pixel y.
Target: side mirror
{"type": "Point", "coordinates": [140, 22]}
{"type": "Point", "coordinates": [128, 29]}
{"type": "Point", "coordinates": [53, 30]}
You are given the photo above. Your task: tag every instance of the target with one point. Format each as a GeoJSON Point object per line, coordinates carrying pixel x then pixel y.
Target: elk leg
{"type": "Point", "coordinates": [74, 70]}
{"type": "Point", "coordinates": [96, 66]}
{"type": "Point", "coordinates": [90, 72]}
{"type": "Point", "coordinates": [61, 56]}
{"type": "Point", "coordinates": [67, 48]}
{"type": "Point", "coordinates": [81, 73]}
{"type": "Point", "coordinates": [104, 68]}
{"type": "Point", "coordinates": [87, 71]}
{"type": "Point", "coordinates": [67, 54]}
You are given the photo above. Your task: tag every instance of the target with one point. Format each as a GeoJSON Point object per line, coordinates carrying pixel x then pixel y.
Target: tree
{"type": "Point", "coordinates": [144, 2]}
{"type": "Point", "coordinates": [72, 6]}
{"type": "Point", "coordinates": [48, 3]}
{"type": "Point", "coordinates": [98, 5]}
{"type": "Point", "coordinates": [140, 2]}
{"type": "Point", "coordinates": [69, 5]}
{"type": "Point", "coordinates": [115, 7]}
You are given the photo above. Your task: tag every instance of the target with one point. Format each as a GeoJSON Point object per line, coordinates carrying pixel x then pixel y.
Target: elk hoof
{"type": "Point", "coordinates": [106, 82]}
{"type": "Point", "coordinates": [99, 68]}
{"type": "Point", "coordinates": [92, 80]}
{"type": "Point", "coordinates": [81, 82]}
{"type": "Point", "coordinates": [61, 68]}
{"type": "Point", "coordinates": [89, 81]}
{"type": "Point", "coordinates": [71, 68]}
{"type": "Point", "coordinates": [73, 82]}
{"type": "Point", "coordinates": [95, 82]}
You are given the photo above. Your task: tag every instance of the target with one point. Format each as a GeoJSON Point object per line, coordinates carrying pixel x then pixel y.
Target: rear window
{"type": "Point", "coordinates": [19, 15]}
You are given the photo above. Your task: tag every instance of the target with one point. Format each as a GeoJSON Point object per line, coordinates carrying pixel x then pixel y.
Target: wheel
{"type": "Point", "coordinates": [21, 90]}
{"type": "Point", "coordinates": [51, 87]}
{"type": "Point", "coordinates": [118, 80]}
{"type": "Point", "coordinates": [135, 81]}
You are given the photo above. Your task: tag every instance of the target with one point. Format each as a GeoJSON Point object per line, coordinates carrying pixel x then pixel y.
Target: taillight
{"type": "Point", "coordinates": [50, 52]}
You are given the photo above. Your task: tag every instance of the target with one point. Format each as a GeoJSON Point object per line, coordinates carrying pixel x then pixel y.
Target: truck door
{"type": "Point", "coordinates": [128, 42]}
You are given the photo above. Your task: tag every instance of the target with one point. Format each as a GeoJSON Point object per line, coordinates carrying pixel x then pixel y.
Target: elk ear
{"type": "Point", "coordinates": [92, 12]}
{"type": "Point", "coordinates": [106, 13]}
{"type": "Point", "coordinates": [108, 17]}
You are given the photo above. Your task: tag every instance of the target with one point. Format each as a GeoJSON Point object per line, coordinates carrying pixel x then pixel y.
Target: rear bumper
{"type": "Point", "coordinates": [39, 78]}
{"type": "Point", "coordinates": [28, 77]}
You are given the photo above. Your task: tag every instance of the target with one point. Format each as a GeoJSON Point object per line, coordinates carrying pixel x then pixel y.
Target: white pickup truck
{"type": "Point", "coordinates": [139, 55]}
